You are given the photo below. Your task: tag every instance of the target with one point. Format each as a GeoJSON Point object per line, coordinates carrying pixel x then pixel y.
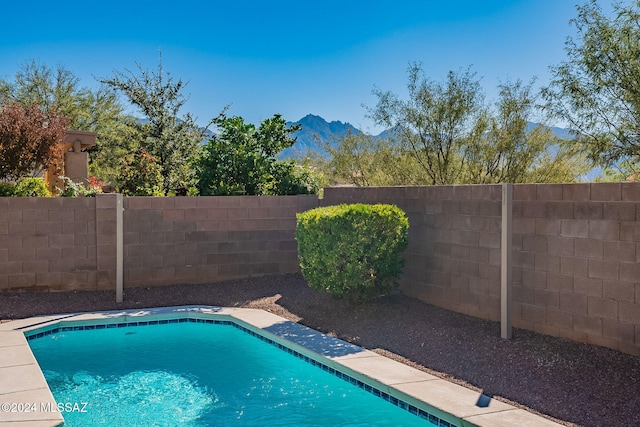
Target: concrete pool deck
{"type": "Point", "coordinates": [24, 391]}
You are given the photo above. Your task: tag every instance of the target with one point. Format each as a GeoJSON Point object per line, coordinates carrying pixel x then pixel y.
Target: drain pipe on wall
{"type": "Point", "coordinates": [505, 263]}
{"type": "Point", "coordinates": [119, 248]}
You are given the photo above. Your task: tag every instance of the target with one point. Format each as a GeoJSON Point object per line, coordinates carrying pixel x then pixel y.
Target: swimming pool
{"type": "Point", "coordinates": [222, 375]}
{"type": "Point", "coordinates": [23, 384]}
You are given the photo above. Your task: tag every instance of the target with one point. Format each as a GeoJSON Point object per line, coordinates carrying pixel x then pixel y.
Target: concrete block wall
{"type": "Point", "coordinates": [453, 257]}
{"type": "Point", "coordinates": [49, 243]}
{"type": "Point", "coordinates": [53, 244]}
{"type": "Point", "coordinates": [575, 259]}
{"type": "Point", "coordinates": [576, 248]}
{"type": "Point", "coordinates": [170, 240]}
{"type": "Point", "coordinates": [576, 270]}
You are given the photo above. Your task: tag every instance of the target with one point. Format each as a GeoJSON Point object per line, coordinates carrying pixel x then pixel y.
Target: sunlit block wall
{"type": "Point", "coordinates": [170, 240]}
{"type": "Point", "coordinates": [50, 243]}
{"type": "Point", "coordinates": [453, 257]}
{"type": "Point", "coordinates": [576, 270]}
{"type": "Point", "coordinates": [70, 243]}
{"type": "Point", "coordinates": [575, 254]}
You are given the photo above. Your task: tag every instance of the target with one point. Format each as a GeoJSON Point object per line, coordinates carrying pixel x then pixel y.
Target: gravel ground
{"type": "Point", "coordinates": [576, 384]}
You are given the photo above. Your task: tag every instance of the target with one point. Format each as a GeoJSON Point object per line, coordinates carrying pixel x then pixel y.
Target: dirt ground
{"type": "Point", "coordinates": [576, 384]}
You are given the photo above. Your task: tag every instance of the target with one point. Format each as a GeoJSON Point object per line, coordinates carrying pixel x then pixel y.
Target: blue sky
{"type": "Point", "coordinates": [288, 57]}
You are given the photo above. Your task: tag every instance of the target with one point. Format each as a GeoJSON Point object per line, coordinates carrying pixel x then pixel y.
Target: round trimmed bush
{"type": "Point", "coordinates": [353, 250]}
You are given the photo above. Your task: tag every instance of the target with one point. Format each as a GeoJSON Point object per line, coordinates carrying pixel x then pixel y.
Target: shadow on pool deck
{"type": "Point", "coordinates": [313, 340]}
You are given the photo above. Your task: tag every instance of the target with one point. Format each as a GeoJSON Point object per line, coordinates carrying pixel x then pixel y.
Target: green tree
{"type": "Point", "coordinates": [509, 150]}
{"type": "Point", "coordinates": [290, 178]}
{"type": "Point", "coordinates": [597, 89]}
{"type": "Point", "coordinates": [363, 160]}
{"type": "Point", "coordinates": [29, 139]}
{"type": "Point", "coordinates": [141, 175]}
{"type": "Point", "coordinates": [437, 122]}
{"type": "Point", "coordinates": [172, 140]}
{"type": "Point", "coordinates": [94, 110]}
{"type": "Point", "coordinates": [456, 139]}
{"type": "Point", "coordinates": [241, 160]}
{"type": "Point", "coordinates": [625, 170]}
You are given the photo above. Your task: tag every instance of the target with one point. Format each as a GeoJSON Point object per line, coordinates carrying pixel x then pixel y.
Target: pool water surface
{"type": "Point", "coordinates": [196, 374]}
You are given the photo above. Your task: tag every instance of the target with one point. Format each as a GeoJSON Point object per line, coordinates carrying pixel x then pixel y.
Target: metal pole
{"type": "Point", "coordinates": [119, 248]}
{"type": "Point", "coordinates": [505, 264]}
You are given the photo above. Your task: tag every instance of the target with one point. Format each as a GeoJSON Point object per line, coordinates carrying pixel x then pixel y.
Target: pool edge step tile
{"type": "Point", "coordinates": [385, 370]}
{"type": "Point", "coordinates": [16, 355]}
{"type": "Point", "coordinates": [514, 417]}
{"type": "Point", "coordinates": [261, 320]}
{"type": "Point", "coordinates": [11, 338]}
{"type": "Point", "coordinates": [309, 341]}
{"type": "Point", "coordinates": [20, 378]}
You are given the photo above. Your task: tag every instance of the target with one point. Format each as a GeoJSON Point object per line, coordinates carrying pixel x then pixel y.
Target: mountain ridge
{"type": "Point", "coordinates": [316, 132]}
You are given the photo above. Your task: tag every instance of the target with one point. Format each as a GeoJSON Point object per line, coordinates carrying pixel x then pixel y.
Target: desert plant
{"type": "Point", "coordinates": [31, 187]}
{"type": "Point", "coordinates": [352, 251]}
{"type": "Point", "coordinates": [76, 189]}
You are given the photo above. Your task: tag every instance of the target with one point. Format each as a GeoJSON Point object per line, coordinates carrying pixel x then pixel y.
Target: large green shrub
{"type": "Point", "coordinates": [352, 251]}
{"type": "Point", "coordinates": [31, 187]}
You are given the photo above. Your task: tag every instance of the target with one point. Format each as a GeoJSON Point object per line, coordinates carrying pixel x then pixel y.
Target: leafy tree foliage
{"type": "Point", "coordinates": [507, 150]}
{"type": "Point", "coordinates": [141, 175]}
{"type": "Point", "coordinates": [7, 189]}
{"type": "Point", "coordinates": [171, 140]}
{"type": "Point", "coordinates": [625, 170]}
{"type": "Point", "coordinates": [241, 160]}
{"type": "Point", "coordinates": [87, 110]}
{"type": "Point", "coordinates": [290, 178]}
{"type": "Point", "coordinates": [437, 121]}
{"type": "Point", "coordinates": [362, 160]}
{"type": "Point", "coordinates": [597, 89]}
{"type": "Point", "coordinates": [29, 138]}
{"type": "Point", "coordinates": [456, 139]}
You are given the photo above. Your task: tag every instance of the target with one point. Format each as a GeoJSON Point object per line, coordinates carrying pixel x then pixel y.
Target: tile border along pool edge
{"type": "Point", "coordinates": [449, 402]}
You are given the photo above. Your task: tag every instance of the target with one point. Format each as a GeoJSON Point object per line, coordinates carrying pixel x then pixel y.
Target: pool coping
{"type": "Point", "coordinates": [450, 402]}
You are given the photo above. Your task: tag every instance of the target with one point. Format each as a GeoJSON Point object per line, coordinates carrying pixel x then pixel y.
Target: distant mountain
{"type": "Point", "coordinates": [322, 128]}
{"type": "Point", "coordinates": [317, 132]}
{"type": "Point", "coordinates": [558, 132]}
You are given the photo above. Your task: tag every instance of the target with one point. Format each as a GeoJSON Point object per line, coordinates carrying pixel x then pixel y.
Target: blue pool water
{"type": "Point", "coordinates": [195, 374]}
